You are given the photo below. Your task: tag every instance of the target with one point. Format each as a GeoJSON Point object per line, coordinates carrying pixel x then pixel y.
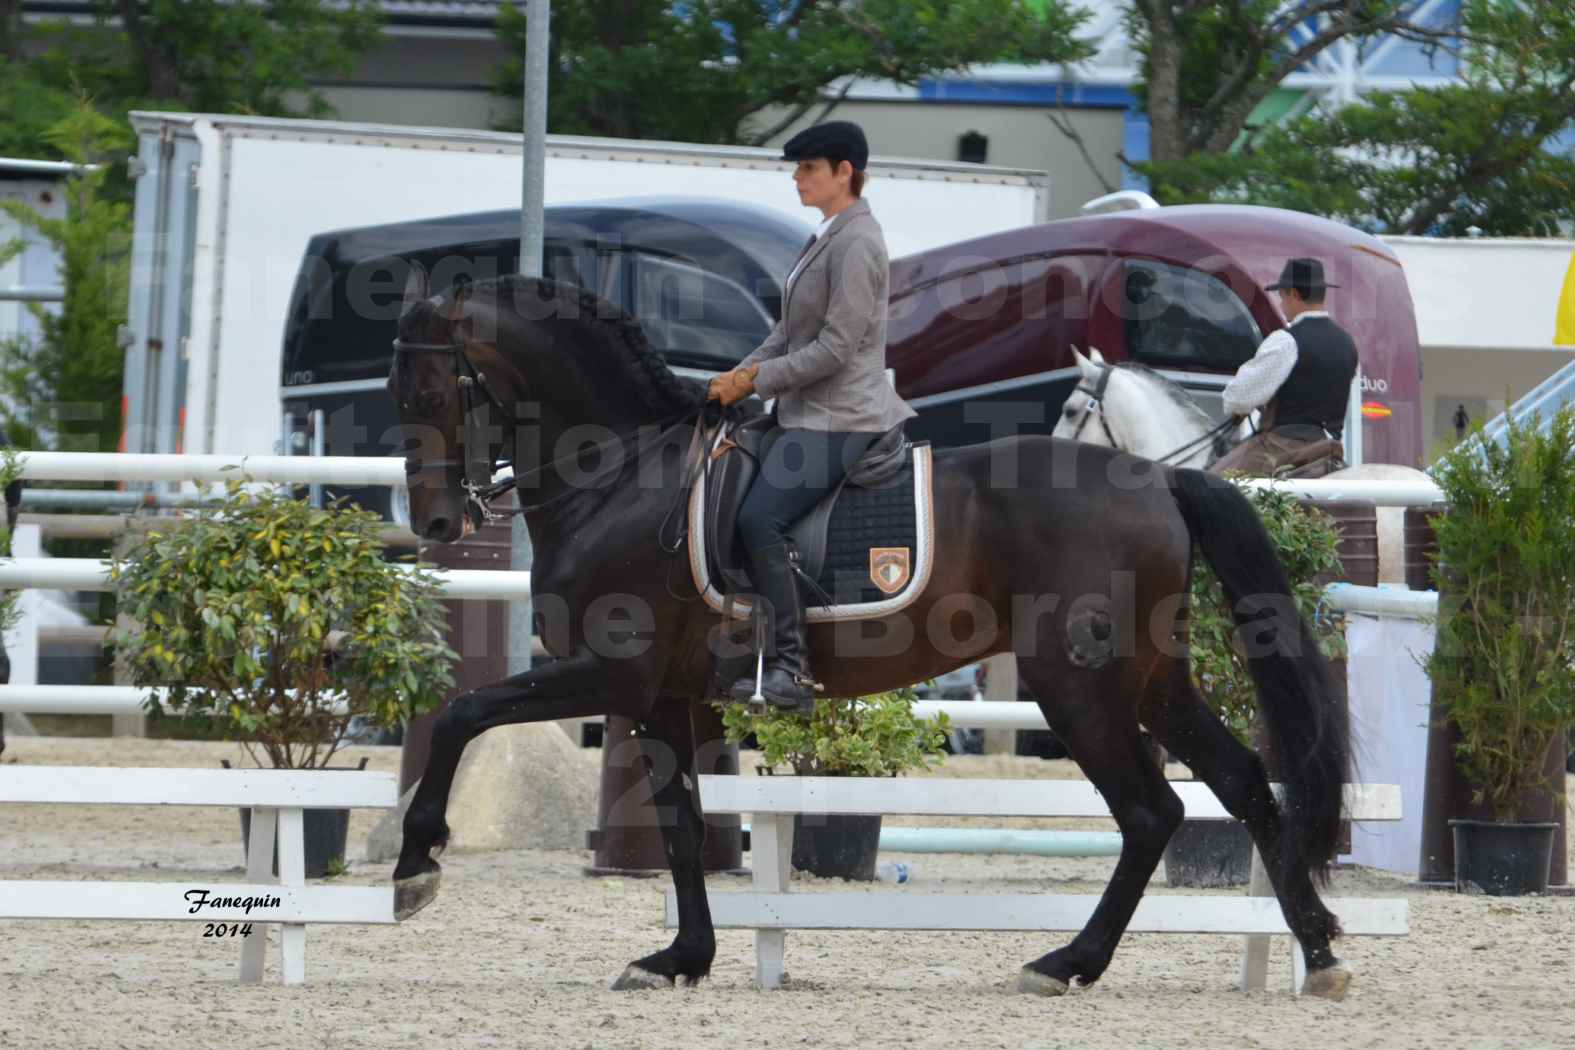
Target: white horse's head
{"type": "Point", "coordinates": [1134, 410]}
{"type": "Point", "coordinates": [1084, 417]}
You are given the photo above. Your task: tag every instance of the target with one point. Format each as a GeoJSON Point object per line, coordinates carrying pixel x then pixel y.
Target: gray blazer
{"type": "Point", "coordinates": [825, 361]}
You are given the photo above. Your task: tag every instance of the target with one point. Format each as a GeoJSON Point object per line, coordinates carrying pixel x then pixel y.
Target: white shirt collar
{"type": "Point", "coordinates": [1307, 314]}
{"type": "Point", "coordinates": [825, 224]}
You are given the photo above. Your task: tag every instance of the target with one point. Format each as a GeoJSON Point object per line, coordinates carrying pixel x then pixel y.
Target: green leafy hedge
{"type": "Point", "coordinates": [868, 736]}
{"type": "Point", "coordinates": [1501, 667]}
{"type": "Point", "coordinates": [282, 622]}
{"type": "Point", "coordinates": [1308, 545]}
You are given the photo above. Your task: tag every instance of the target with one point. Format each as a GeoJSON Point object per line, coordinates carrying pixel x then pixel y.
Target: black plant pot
{"type": "Point", "coordinates": [836, 846]}
{"type": "Point", "coordinates": [1209, 854]}
{"type": "Point", "coordinates": [1502, 860]}
{"type": "Point", "coordinates": [324, 832]}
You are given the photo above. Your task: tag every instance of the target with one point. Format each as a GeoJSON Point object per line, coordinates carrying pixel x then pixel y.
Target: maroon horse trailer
{"type": "Point", "coordinates": [981, 332]}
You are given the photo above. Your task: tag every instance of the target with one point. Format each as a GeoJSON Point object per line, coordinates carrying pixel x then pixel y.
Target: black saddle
{"type": "Point", "coordinates": [737, 459]}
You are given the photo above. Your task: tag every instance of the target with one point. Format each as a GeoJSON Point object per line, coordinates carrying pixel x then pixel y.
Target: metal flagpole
{"type": "Point", "coordinates": [531, 233]}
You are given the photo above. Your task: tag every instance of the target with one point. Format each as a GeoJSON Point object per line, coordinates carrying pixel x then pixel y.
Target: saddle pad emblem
{"type": "Point", "coordinates": [890, 568]}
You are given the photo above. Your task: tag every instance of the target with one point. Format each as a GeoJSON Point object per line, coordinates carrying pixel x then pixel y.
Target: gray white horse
{"type": "Point", "coordinates": [1138, 410]}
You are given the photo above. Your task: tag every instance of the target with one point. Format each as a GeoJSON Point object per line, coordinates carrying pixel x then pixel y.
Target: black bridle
{"type": "Point", "coordinates": [1096, 407]}
{"type": "Point", "coordinates": [479, 463]}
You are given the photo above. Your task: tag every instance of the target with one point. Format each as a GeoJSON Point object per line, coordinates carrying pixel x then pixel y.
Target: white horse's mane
{"type": "Point", "coordinates": [1177, 393]}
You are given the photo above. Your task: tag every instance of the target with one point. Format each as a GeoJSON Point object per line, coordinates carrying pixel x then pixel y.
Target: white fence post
{"type": "Point", "coordinates": [1255, 959]}
{"type": "Point", "coordinates": [292, 872]}
{"type": "Point", "coordinates": [771, 857]}
{"type": "Point", "coordinates": [259, 870]}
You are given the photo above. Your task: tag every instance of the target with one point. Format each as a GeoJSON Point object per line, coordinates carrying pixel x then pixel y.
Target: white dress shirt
{"type": "Point", "coordinates": [820, 232]}
{"type": "Point", "coordinates": [1257, 381]}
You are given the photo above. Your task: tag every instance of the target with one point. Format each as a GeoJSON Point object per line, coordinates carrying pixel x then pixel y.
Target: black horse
{"type": "Point", "coordinates": [1074, 557]}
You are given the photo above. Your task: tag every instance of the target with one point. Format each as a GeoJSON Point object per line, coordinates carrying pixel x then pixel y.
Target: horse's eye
{"type": "Point", "coordinates": [1069, 412]}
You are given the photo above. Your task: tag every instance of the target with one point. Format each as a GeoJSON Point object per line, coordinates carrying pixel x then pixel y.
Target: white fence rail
{"type": "Point", "coordinates": [92, 574]}
{"type": "Point", "coordinates": [77, 699]}
{"type": "Point", "coordinates": [144, 467]}
{"type": "Point", "coordinates": [390, 471]}
{"type": "Point", "coordinates": [87, 574]}
{"type": "Point", "coordinates": [770, 910]}
{"type": "Point", "coordinates": [1380, 493]}
{"type": "Point", "coordinates": [277, 799]}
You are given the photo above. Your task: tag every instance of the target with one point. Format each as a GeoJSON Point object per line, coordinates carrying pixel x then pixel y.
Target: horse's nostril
{"type": "Point", "coordinates": [437, 529]}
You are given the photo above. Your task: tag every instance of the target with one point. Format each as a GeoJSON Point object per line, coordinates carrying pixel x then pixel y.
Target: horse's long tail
{"type": "Point", "coordinates": [1307, 723]}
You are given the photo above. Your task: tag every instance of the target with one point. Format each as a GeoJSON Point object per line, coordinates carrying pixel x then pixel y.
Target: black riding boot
{"type": "Point", "coordinates": [786, 682]}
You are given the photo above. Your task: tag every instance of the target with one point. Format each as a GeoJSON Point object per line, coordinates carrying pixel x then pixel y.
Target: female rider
{"type": "Point", "coordinates": [825, 363]}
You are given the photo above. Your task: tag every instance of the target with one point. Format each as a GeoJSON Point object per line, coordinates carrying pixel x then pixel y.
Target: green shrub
{"type": "Point", "coordinates": [869, 736]}
{"type": "Point", "coordinates": [1308, 544]}
{"type": "Point", "coordinates": [1501, 666]}
{"type": "Point", "coordinates": [281, 622]}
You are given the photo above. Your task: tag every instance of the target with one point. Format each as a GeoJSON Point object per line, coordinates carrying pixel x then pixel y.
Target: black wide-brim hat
{"type": "Point", "coordinates": [1302, 275]}
{"type": "Point", "coordinates": [836, 140]}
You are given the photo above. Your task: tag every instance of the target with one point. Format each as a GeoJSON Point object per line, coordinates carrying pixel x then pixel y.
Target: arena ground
{"type": "Point", "coordinates": [518, 950]}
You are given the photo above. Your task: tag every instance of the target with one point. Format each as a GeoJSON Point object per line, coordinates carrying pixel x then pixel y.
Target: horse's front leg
{"type": "Point", "coordinates": [667, 739]}
{"type": "Point", "coordinates": [578, 686]}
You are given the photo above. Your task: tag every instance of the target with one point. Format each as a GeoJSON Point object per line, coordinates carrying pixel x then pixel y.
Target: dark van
{"type": "Point", "coordinates": [703, 277]}
{"type": "Point", "coordinates": [981, 332]}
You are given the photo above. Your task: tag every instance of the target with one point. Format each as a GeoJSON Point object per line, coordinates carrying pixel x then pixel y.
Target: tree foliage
{"type": "Point", "coordinates": [709, 70]}
{"type": "Point", "coordinates": [206, 55]}
{"type": "Point", "coordinates": [1207, 64]}
{"type": "Point", "coordinates": [65, 89]}
{"type": "Point", "coordinates": [1482, 152]}
{"type": "Point", "coordinates": [63, 389]}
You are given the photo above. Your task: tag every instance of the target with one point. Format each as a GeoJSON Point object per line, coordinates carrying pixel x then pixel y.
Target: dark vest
{"type": "Point", "coordinates": [1319, 388]}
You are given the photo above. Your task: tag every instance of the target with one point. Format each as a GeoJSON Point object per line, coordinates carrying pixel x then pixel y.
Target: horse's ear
{"type": "Point", "coordinates": [417, 286]}
{"type": "Point", "coordinates": [1097, 357]}
{"type": "Point", "coordinates": [1083, 364]}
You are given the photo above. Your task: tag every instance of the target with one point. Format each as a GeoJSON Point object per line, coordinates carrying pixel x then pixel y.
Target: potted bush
{"type": "Point", "coordinates": [1501, 665]}
{"type": "Point", "coordinates": [869, 736]}
{"type": "Point", "coordinates": [1218, 852]}
{"type": "Point", "coordinates": [278, 623]}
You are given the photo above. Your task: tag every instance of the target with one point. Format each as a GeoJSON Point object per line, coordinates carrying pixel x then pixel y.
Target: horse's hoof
{"type": "Point", "coordinates": [635, 978]}
{"type": "Point", "coordinates": [1331, 982]}
{"type": "Point", "coordinates": [415, 893]}
{"type": "Point", "coordinates": [1032, 982]}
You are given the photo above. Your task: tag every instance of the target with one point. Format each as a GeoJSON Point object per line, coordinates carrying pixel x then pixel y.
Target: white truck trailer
{"type": "Point", "coordinates": [225, 206]}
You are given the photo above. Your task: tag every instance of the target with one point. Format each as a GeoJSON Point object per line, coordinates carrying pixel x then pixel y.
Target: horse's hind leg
{"type": "Point", "coordinates": [667, 738]}
{"type": "Point", "coordinates": [1095, 715]}
{"type": "Point", "coordinates": [1177, 716]}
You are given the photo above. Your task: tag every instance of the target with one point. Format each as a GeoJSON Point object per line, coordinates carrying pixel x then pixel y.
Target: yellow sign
{"type": "Point", "coordinates": [1564, 323]}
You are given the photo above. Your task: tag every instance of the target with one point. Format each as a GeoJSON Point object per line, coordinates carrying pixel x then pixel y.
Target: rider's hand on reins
{"type": "Point", "coordinates": [733, 386]}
